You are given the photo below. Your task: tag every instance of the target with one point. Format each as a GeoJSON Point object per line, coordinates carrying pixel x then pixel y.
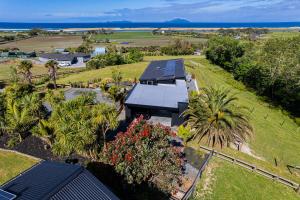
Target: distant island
{"type": "Point", "coordinates": [178, 21]}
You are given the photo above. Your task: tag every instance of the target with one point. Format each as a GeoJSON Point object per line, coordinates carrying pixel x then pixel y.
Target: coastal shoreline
{"type": "Point", "coordinates": [169, 29]}
{"type": "Point", "coordinates": [116, 29]}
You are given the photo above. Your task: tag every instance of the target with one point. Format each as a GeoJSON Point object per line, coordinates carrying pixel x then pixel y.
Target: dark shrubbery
{"type": "Point", "coordinates": [115, 58]}
{"type": "Point", "coordinates": [272, 67]}
{"type": "Point", "coordinates": [223, 51]}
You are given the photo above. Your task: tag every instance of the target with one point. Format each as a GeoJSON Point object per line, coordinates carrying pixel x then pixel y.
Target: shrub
{"type": "Point", "coordinates": [144, 154]}
{"type": "Point", "coordinates": [185, 133]}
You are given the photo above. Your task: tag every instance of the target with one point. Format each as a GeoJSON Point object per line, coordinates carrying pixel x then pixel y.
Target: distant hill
{"type": "Point", "coordinates": [178, 21]}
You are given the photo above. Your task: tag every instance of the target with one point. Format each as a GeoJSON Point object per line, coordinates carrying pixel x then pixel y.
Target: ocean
{"type": "Point", "coordinates": [57, 26]}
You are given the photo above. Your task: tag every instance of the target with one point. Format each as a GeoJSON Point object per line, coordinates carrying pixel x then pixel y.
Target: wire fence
{"type": "Point", "coordinates": [254, 168]}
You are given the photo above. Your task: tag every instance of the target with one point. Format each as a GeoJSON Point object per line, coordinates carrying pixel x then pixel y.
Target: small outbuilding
{"type": "Point", "coordinates": [99, 51]}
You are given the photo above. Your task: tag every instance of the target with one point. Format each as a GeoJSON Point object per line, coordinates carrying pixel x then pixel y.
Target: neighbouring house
{"type": "Point", "coordinates": [54, 181]}
{"type": "Point", "coordinates": [162, 92]}
{"type": "Point", "coordinates": [99, 51]}
{"type": "Point", "coordinates": [65, 59]}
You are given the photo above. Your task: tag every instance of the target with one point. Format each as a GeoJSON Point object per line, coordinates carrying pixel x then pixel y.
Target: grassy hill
{"type": "Point", "coordinates": [276, 135]}
{"type": "Point", "coordinates": [224, 180]}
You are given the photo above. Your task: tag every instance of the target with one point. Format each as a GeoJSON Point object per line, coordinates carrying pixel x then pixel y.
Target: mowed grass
{"type": "Point", "coordinates": [129, 71]}
{"type": "Point", "coordinates": [276, 135]}
{"type": "Point", "coordinates": [224, 180]}
{"type": "Point", "coordinates": [45, 43]}
{"type": "Point", "coordinates": [12, 164]}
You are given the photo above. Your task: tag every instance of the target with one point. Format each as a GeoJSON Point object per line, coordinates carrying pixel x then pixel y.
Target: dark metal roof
{"type": "Point", "coordinates": [63, 57]}
{"type": "Point", "coordinates": [164, 70]}
{"type": "Point", "coordinates": [55, 181]}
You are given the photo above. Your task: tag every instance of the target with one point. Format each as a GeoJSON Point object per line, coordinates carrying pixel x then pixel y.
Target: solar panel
{"type": "Point", "coordinates": [6, 195]}
{"type": "Point", "coordinates": [170, 68]}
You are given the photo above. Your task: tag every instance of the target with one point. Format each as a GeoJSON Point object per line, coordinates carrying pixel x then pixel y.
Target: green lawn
{"type": "Point", "coordinates": [276, 135]}
{"type": "Point", "coordinates": [12, 164]}
{"type": "Point", "coordinates": [224, 180]}
{"type": "Point", "coordinates": [129, 71]}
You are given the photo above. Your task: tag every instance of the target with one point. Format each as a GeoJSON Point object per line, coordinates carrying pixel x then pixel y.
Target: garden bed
{"type": "Point", "coordinates": [35, 147]}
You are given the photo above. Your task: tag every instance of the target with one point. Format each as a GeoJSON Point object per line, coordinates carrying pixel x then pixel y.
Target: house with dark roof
{"type": "Point", "coordinates": [65, 59]}
{"type": "Point", "coordinates": [56, 181]}
{"type": "Point", "coordinates": [162, 92]}
{"type": "Point", "coordinates": [163, 71]}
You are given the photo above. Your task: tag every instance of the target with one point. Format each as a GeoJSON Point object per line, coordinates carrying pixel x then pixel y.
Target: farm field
{"type": "Point", "coordinates": [140, 39]}
{"type": "Point", "coordinates": [126, 35]}
{"type": "Point", "coordinates": [12, 164]}
{"type": "Point", "coordinates": [282, 34]}
{"type": "Point", "coordinates": [276, 134]}
{"type": "Point", "coordinates": [224, 180]}
{"type": "Point", "coordinates": [45, 43]}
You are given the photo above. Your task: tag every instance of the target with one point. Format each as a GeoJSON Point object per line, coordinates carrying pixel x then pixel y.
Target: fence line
{"type": "Point", "coordinates": [254, 168]}
{"type": "Point", "coordinates": [191, 190]}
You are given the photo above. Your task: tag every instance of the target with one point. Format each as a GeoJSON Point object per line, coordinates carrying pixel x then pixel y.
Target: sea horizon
{"type": "Point", "coordinates": [7, 26]}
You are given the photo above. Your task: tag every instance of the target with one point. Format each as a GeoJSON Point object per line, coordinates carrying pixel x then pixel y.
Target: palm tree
{"type": "Point", "coordinates": [105, 117]}
{"type": "Point", "coordinates": [24, 69]}
{"type": "Point", "coordinates": [45, 131]}
{"type": "Point", "coordinates": [215, 116]}
{"type": "Point", "coordinates": [18, 119]}
{"type": "Point", "coordinates": [52, 69]}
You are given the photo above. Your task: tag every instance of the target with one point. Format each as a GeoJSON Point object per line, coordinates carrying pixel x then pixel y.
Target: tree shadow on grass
{"type": "Point", "coordinates": [118, 185]}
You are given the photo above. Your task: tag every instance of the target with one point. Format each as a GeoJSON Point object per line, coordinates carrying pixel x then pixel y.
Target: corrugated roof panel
{"type": "Point", "coordinates": [50, 180]}
{"type": "Point", "coordinates": [161, 95]}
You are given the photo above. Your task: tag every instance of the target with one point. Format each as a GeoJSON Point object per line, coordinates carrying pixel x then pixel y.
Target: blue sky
{"type": "Point", "coordinates": [149, 11]}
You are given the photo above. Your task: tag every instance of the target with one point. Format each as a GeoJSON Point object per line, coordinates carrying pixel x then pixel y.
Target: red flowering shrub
{"type": "Point", "coordinates": [144, 154]}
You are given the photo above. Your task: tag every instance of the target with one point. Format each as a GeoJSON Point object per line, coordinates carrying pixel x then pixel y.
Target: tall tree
{"type": "Point", "coordinates": [215, 116]}
{"type": "Point", "coordinates": [52, 66]}
{"type": "Point", "coordinates": [24, 68]}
